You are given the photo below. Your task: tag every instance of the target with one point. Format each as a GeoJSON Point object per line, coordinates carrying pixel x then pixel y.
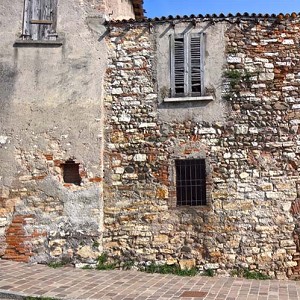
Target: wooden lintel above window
{"type": "Point", "coordinates": [46, 22]}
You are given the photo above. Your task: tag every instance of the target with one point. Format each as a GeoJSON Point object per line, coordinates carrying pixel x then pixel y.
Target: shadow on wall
{"type": "Point", "coordinates": [8, 75]}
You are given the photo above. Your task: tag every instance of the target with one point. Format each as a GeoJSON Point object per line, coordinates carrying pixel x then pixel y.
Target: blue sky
{"type": "Point", "coordinates": [158, 8]}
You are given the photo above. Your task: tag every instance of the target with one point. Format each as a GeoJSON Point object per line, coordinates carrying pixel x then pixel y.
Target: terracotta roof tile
{"type": "Point", "coordinates": [138, 4]}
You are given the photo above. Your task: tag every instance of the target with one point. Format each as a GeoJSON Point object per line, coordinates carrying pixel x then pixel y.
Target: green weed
{"type": "Point", "coordinates": [233, 74]}
{"type": "Point", "coordinates": [209, 273]}
{"type": "Point", "coordinates": [96, 244]}
{"type": "Point", "coordinates": [102, 263]}
{"type": "Point", "coordinates": [128, 264]}
{"type": "Point", "coordinates": [56, 264]}
{"type": "Point", "coordinates": [255, 275]}
{"type": "Point", "coordinates": [249, 274]}
{"type": "Point", "coordinates": [170, 269]}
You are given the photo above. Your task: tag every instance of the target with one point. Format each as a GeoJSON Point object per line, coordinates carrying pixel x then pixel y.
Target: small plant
{"type": "Point", "coordinates": [56, 264]}
{"type": "Point", "coordinates": [228, 96]}
{"type": "Point", "coordinates": [170, 269]}
{"type": "Point", "coordinates": [209, 273]}
{"type": "Point", "coordinates": [102, 263]}
{"type": "Point", "coordinates": [128, 264]}
{"type": "Point", "coordinates": [233, 74]}
{"type": "Point", "coordinates": [255, 275]}
{"type": "Point", "coordinates": [234, 77]}
{"type": "Point", "coordinates": [96, 244]}
{"type": "Point", "coordinates": [232, 50]}
{"type": "Point", "coordinates": [236, 273]}
{"type": "Point", "coordinates": [249, 274]}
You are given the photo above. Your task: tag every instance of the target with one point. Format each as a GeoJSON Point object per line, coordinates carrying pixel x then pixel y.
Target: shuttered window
{"type": "Point", "coordinates": [39, 21]}
{"type": "Point", "coordinates": [187, 65]}
{"type": "Point", "coordinates": [179, 66]}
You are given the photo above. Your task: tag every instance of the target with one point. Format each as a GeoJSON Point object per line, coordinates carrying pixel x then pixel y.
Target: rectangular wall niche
{"type": "Point", "coordinates": [190, 182]}
{"type": "Point", "coordinates": [71, 172]}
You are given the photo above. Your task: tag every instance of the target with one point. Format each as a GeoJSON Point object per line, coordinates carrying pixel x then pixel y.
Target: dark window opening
{"type": "Point", "coordinates": [71, 172]}
{"type": "Point", "coordinates": [190, 182]}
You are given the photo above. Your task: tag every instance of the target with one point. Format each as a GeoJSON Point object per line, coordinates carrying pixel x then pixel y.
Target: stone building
{"type": "Point", "coordinates": [172, 140]}
{"type": "Point", "coordinates": [202, 146]}
{"type": "Point", "coordinates": [52, 67]}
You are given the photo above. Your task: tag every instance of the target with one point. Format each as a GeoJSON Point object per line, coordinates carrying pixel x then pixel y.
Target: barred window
{"type": "Point", "coordinates": [190, 182]}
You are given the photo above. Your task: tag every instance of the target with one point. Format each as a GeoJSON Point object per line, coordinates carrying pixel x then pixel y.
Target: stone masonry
{"type": "Point", "coordinates": [51, 113]}
{"type": "Point", "coordinates": [99, 100]}
{"type": "Point", "coordinates": [252, 154]}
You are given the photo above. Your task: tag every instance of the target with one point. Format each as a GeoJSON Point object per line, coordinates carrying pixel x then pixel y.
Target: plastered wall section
{"type": "Point", "coordinates": [214, 60]}
{"type": "Point", "coordinates": [51, 111]}
{"type": "Point", "coordinates": [119, 9]}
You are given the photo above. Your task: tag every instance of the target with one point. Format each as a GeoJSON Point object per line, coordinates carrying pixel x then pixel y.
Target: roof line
{"type": "Point", "coordinates": [244, 16]}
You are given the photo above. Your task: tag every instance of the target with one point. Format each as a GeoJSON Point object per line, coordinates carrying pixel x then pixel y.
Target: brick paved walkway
{"type": "Point", "coordinates": [19, 279]}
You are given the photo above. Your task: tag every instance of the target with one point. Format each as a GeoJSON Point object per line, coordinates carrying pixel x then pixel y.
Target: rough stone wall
{"type": "Point", "coordinates": [119, 9]}
{"type": "Point", "coordinates": [51, 111]}
{"type": "Point", "coordinates": [251, 156]}
{"type": "Point", "coordinates": [110, 9]}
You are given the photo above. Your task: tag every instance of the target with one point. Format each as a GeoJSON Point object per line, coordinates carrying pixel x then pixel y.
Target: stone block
{"type": "Point", "coordinates": [265, 228]}
{"type": "Point", "coordinates": [140, 157]}
{"type": "Point", "coordinates": [266, 76]}
{"type": "Point", "coordinates": [234, 59]}
{"type": "Point", "coordinates": [11, 203]}
{"type": "Point", "coordinates": [288, 42]}
{"type": "Point", "coordinates": [187, 264]}
{"type": "Point", "coordinates": [87, 252]}
{"type": "Point", "coordinates": [4, 192]}
{"type": "Point", "coordinates": [57, 242]}
{"type": "Point", "coordinates": [287, 243]}
{"type": "Point", "coordinates": [162, 193]}
{"type": "Point", "coordinates": [57, 251]}
{"type": "Point", "coordinates": [211, 266]}
{"type": "Point", "coordinates": [244, 175]}
{"type": "Point", "coordinates": [171, 261]}
{"type": "Point", "coordinates": [160, 239]}
{"type": "Point", "coordinates": [265, 186]}
{"type": "Point", "coordinates": [3, 221]}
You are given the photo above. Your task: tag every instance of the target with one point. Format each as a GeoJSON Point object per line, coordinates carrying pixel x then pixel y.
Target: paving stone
{"type": "Point", "coordinates": [133, 285]}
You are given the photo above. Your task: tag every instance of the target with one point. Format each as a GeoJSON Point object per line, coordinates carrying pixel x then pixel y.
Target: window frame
{"type": "Point", "coordinates": [187, 37]}
{"type": "Point", "coordinates": [192, 184]}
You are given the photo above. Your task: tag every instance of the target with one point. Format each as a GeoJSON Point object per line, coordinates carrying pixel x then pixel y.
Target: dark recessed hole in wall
{"type": "Point", "coordinates": [190, 182]}
{"type": "Point", "coordinates": [71, 172]}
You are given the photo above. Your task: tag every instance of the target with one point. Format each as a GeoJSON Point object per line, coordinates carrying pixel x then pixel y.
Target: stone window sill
{"type": "Point", "coordinates": [203, 208]}
{"type": "Point", "coordinates": [39, 43]}
{"type": "Point", "coordinates": [185, 99]}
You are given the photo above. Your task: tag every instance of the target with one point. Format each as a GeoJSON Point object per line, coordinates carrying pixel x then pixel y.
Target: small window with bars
{"type": "Point", "coordinates": [187, 65]}
{"type": "Point", "coordinates": [191, 182]}
{"type": "Point", "coordinates": [71, 172]}
{"type": "Point", "coordinates": [39, 20]}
